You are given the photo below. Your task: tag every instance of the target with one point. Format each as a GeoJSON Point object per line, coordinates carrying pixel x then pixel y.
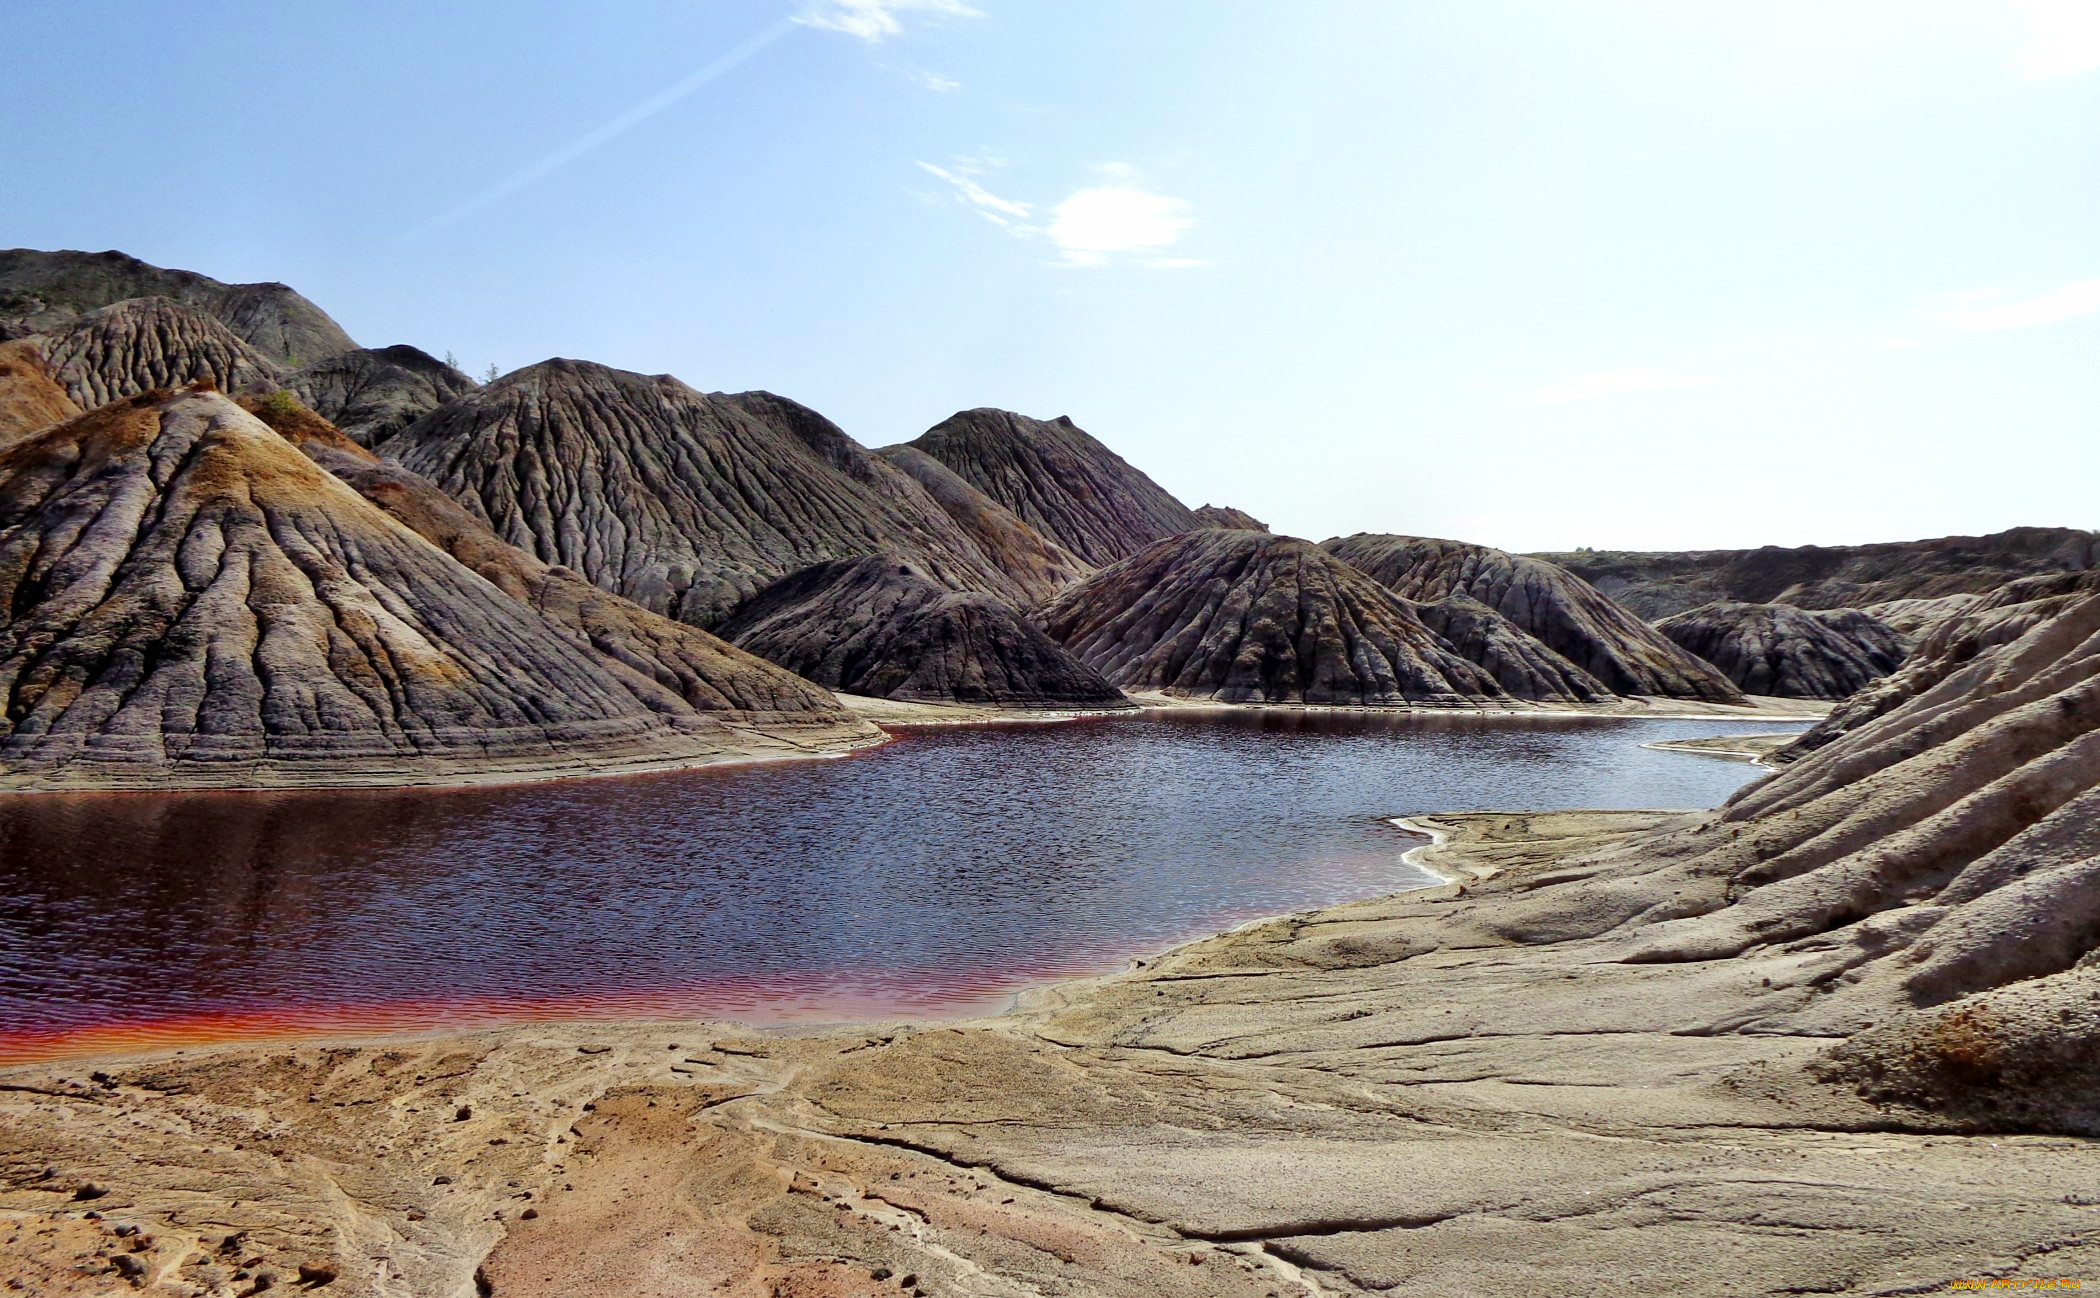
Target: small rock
{"type": "Point", "coordinates": [316, 1274]}
{"type": "Point", "coordinates": [89, 1190]}
{"type": "Point", "coordinates": [879, 1273]}
{"type": "Point", "coordinates": [124, 1264]}
{"type": "Point", "coordinates": [441, 1180]}
{"type": "Point", "coordinates": [529, 1214]}
{"type": "Point", "coordinates": [462, 1113]}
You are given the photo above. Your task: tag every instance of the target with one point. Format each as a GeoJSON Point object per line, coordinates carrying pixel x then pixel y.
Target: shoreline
{"type": "Point", "coordinates": [1118, 1134]}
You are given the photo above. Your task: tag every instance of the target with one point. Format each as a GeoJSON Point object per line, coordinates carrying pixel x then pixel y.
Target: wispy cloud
{"type": "Point", "coordinates": [874, 20]}
{"type": "Point", "coordinates": [612, 130]}
{"type": "Point", "coordinates": [933, 81]}
{"type": "Point", "coordinates": [1975, 310]}
{"type": "Point", "coordinates": [1614, 382]}
{"type": "Point", "coordinates": [1093, 227]}
{"type": "Point", "coordinates": [2063, 38]}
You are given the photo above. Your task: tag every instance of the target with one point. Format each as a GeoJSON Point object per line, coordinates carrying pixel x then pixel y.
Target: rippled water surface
{"type": "Point", "coordinates": [933, 875]}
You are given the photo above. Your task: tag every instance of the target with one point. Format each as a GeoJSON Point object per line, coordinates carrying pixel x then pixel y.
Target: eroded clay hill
{"type": "Point", "coordinates": [191, 602]}
{"type": "Point", "coordinates": [1566, 613]}
{"type": "Point", "coordinates": [1039, 566]}
{"type": "Point", "coordinates": [45, 292]}
{"type": "Point", "coordinates": [880, 627]}
{"type": "Point", "coordinates": [1227, 517]}
{"type": "Point", "coordinates": [30, 397]}
{"type": "Point", "coordinates": [1790, 652]}
{"type": "Point", "coordinates": [150, 343]}
{"type": "Point", "coordinates": [1060, 481]}
{"type": "Point", "coordinates": [373, 393]}
{"type": "Point", "coordinates": [1519, 661]}
{"type": "Point", "coordinates": [1245, 617]}
{"type": "Point", "coordinates": [1840, 576]}
{"type": "Point", "coordinates": [684, 502]}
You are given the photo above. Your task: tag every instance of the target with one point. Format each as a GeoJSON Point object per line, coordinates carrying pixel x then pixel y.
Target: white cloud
{"type": "Point", "coordinates": [1094, 224]}
{"type": "Point", "coordinates": [2063, 38]}
{"type": "Point", "coordinates": [1003, 212]}
{"type": "Point", "coordinates": [1613, 382]}
{"type": "Point", "coordinates": [938, 84]}
{"type": "Point", "coordinates": [1969, 310]}
{"type": "Point", "coordinates": [1094, 227]}
{"type": "Point", "coordinates": [873, 20]}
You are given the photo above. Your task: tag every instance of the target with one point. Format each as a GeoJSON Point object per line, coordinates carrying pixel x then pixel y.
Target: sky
{"type": "Point", "coordinates": [1627, 274]}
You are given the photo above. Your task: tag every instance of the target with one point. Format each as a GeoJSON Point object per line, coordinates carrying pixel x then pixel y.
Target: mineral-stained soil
{"type": "Point", "coordinates": [1060, 481]}
{"type": "Point", "coordinates": [684, 502]}
{"type": "Point", "coordinates": [190, 602]}
{"type": "Point", "coordinates": [30, 397]}
{"type": "Point", "coordinates": [1776, 649]}
{"type": "Point", "coordinates": [1246, 617]}
{"type": "Point", "coordinates": [148, 343]}
{"type": "Point", "coordinates": [1836, 576]}
{"type": "Point", "coordinates": [878, 626]}
{"type": "Point", "coordinates": [1569, 615]}
{"type": "Point", "coordinates": [1835, 1037]}
{"type": "Point", "coordinates": [45, 292]}
{"type": "Point", "coordinates": [1038, 566]}
{"type": "Point", "coordinates": [373, 393]}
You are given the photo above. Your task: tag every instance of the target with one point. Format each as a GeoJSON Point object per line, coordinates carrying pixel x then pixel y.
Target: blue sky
{"type": "Point", "coordinates": [1621, 273]}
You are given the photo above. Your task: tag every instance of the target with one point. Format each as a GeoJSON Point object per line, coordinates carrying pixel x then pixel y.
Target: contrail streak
{"type": "Point", "coordinates": [613, 129]}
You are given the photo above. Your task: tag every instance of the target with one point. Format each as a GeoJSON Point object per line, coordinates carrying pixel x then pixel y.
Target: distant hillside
{"type": "Point", "coordinates": [1658, 584]}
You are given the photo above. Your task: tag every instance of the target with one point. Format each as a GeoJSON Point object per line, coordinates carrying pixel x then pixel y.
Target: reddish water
{"type": "Point", "coordinates": [934, 876]}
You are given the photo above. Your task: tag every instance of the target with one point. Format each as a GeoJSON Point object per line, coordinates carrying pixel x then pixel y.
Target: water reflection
{"type": "Point", "coordinates": [931, 874]}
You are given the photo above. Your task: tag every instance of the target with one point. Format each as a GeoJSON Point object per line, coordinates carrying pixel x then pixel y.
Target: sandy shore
{"type": "Point", "coordinates": [1743, 748]}
{"type": "Point", "coordinates": [1405, 1096]}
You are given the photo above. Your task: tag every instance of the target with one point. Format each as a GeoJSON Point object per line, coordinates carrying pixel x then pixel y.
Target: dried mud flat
{"type": "Point", "coordinates": [1330, 1103]}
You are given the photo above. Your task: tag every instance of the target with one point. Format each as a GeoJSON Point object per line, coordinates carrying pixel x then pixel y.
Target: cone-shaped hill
{"type": "Point", "coordinates": [45, 292]}
{"type": "Point", "coordinates": [878, 626]}
{"type": "Point", "coordinates": [1790, 652]}
{"type": "Point", "coordinates": [190, 602]}
{"type": "Point", "coordinates": [1245, 617]}
{"type": "Point", "coordinates": [1566, 612]}
{"type": "Point", "coordinates": [30, 397]}
{"type": "Point", "coordinates": [1039, 566]}
{"type": "Point", "coordinates": [1519, 662]}
{"type": "Point", "coordinates": [150, 343]}
{"type": "Point", "coordinates": [371, 394]}
{"type": "Point", "coordinates": [1060, 481]}
{"type": "Point", "coordinates": [685, 502]}
{"type": "Point", "coordinates": [1227, 517]}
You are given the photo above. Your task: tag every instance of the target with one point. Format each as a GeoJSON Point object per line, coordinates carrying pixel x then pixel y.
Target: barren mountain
{"type": "Point", "coordinates": [686, 503]}
{"type": "Point", "coordinates": [878, 626]}
{"type": "Point", "coordinates": [1038, 566]}
{"type": "Point", "coordinates": [148, 343]}
{"type": "Point", "coordinates": [194, 603]}
{"type": "Point", "coordinates": [1790, 652]}
{"type": "Point", "coordinates": [373, 393]}
{"type": "Point", "coordinates": [1572, 618]}
{"type": "Point", "coordinates": [1245, 617]}
{"type": "Point", "coordinates": [1060, 481]}
{"type": "Point", "coordinates": [30, 397]}
{"type": "Point", "coordinates": [1230, 519]}
{"type": "Point", "coordinates": [1839, 576]}
{"type": "Point", "coordinates": [44, 292]}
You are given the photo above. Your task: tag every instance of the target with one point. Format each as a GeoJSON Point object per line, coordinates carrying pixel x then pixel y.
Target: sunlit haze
{"type": "Point", "coordinates": [1626, 274]}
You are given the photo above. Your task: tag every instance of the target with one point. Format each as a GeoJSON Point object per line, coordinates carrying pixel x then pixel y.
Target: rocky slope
{"type": "Point", "coordinates": [709, 674]}
{"type": "Point", "coordinates": [1245, 617]}
{"type": "Point", "coordinates": [1777, 649]}
{"type": "Point", "coordinates": [1038, 566]}
{"type": "Point", "coordinates": [45, 292]}
{"type": "Point", "coordinates": [192, 602]}
{"type": "Point", "coordinates": [30, 397]}
{"type": "Point", "coordinates": [371, 394]}
{"type": "Point", "coordinates": [148, 343]}
{"type": "Point", "coordinates": [1058, 480]}
{"type": "Point", "coordinates": [1564, 612]}
{"type": "Point", "coordinates": [878, 626]}
{"type": "Point", "coordinates": [686, 503]}
{"type": "Point", "coordinates": [1839, 576]}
